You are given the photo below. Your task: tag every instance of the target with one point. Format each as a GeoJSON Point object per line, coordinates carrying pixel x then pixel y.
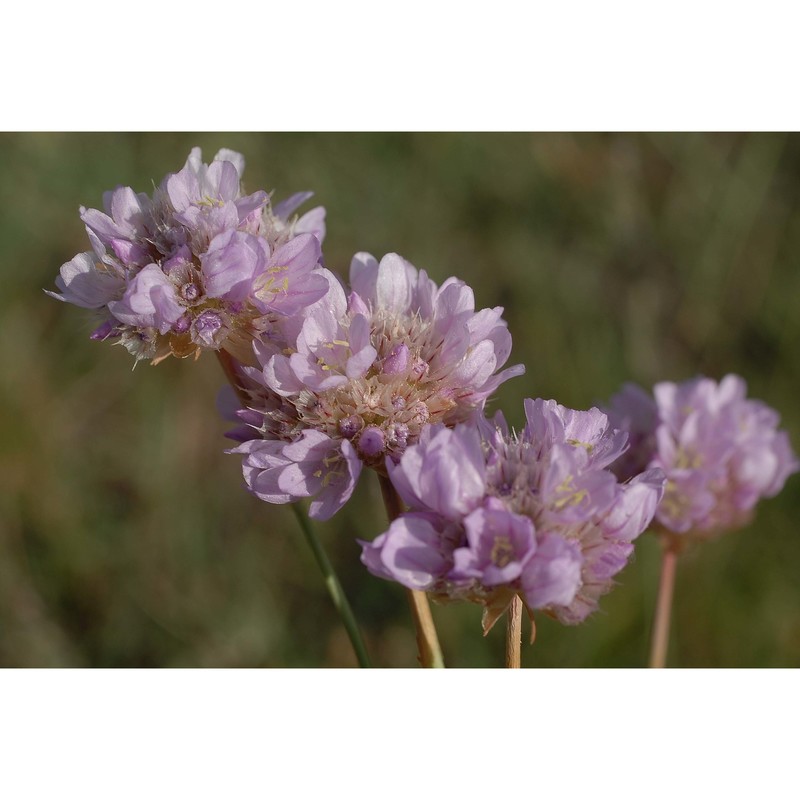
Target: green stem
{"type": "Point", "coordinates": [334, 587]}
{"type": "Point", "coordinates": [328, 573]}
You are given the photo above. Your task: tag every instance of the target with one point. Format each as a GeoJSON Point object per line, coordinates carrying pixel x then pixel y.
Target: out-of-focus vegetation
{"type": "Point", "coordinates": [126, 538]}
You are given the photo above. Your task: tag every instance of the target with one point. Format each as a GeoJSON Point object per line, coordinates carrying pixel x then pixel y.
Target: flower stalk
{"type": "Point", "coordinates": [666, 585]}
{"type": "Point", "coordinates": [514, 634]}
{"type": "Point", "coordinates": [429, 650]}
{"type": "Point", "coordinates": [334, 587]}
{"type": "Point", "coordinates": [332, 582]}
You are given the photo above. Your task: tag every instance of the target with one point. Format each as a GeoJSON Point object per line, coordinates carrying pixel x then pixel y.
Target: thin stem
{"type": "Point", "coordinates": [334, 587]}
{"type": "Point", "coordinates": [430, 652]}
{"type": "Point", "coordinates": [514, 634]}
{"type": "Point", "coordinates": [328, 573]}
{"type": "Point", "coordinates": [226, 362]}
{"type": "Point", "coordinates": [660, 643]}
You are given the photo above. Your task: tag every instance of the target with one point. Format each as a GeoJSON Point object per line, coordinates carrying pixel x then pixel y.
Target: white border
{"type": "Point", "coordinates": [617, 65]}
{"type": "Point", "coordinates": [397, 734]}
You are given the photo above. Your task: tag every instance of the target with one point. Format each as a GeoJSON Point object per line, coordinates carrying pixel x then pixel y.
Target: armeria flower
{"type": "Point", "coordinates": [368, 373]}
{"type": "Point", "coordinates": [720, 451]}
{"type": "Point", "coordinates": [197, 266]}
{"type": "Point", "coordinates": [494, 514]}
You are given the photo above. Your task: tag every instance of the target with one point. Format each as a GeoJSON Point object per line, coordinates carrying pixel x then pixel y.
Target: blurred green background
{"type": "Point", "coordinates": [126, 538]}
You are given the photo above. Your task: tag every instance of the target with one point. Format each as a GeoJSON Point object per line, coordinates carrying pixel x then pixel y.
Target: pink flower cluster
{"type": "Point", "coordinates": [720, 451]}
{"type": "Point", "coordinates": [197, 266]}
{"type": "Point", "coordinates": [361, 375]}
{"type": "Point", "coordinates": [494, 514]}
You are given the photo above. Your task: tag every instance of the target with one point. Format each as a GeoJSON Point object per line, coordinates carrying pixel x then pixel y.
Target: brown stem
{"type": "Point", "coordinates": [660, 643]}
{"type": "Point", "coordinates": [391, 500]}
{"type": "Point", "coordinates": [430, 652]}
{"type": "Point", "coordinates": [514, 634]}
{"type": "Point", "coordinates": [226, 362]}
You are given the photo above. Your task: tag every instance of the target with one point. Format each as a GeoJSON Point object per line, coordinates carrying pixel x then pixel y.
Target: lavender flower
{"type": "Point", "coordinates": [494, 514]}
{"type": "Point", "coordinates": [366, 374]}
{"type": "Point", "coordinates": [720, 451]}
{"type": "Point", "coordinates": [197, 266]}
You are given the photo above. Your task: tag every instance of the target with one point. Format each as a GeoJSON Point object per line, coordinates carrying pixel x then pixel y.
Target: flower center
{"type": "Point", "coordinates": [502, 551]}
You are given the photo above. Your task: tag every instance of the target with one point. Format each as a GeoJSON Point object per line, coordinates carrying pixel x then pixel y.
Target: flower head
{"type": "Point", "coordinates": [197, 266]}
{"type": "Point", "coordinates": [494, 514]}
{"type": "Point", "coordinates": [720, 451]}
{"type": "Point", "coordinates": [370, 371]}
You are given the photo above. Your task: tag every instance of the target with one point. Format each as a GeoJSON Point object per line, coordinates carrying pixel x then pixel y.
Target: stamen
{"type": "Point", "coordinates": [585, 445]}
{"type": "Point", "coordinates": [502, 551]}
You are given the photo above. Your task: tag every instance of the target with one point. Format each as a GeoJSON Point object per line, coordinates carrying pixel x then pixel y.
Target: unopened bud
{"type": "Point", "coordinates": [372, 441]}
{"type": "Point", "coordinates": [350, 426]}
